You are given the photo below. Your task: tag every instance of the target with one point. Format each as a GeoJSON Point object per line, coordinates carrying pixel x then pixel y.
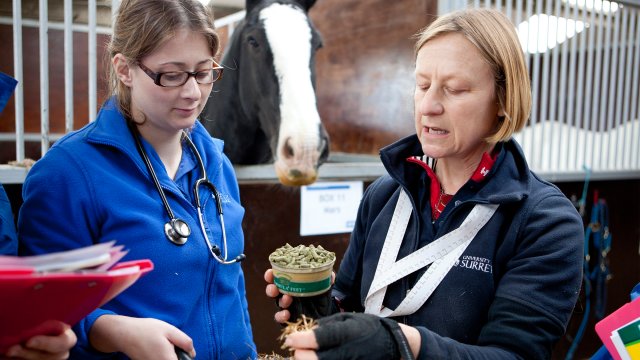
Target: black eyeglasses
{"type": "Point", "coordinates": [179, 78]}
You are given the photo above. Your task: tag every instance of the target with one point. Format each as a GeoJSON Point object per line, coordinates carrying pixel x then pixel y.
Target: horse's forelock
{"type": "Point", "coordinates": [252, 5]}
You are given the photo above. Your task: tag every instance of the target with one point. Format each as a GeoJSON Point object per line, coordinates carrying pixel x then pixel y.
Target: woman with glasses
{"type": "Point", "coordinates": [146, 174]}
{"type": "Point", "coordinates": [461, 251]}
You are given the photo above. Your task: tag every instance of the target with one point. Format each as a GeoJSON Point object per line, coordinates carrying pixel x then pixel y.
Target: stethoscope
{"type": "Point", "coordinates": [177, 230]}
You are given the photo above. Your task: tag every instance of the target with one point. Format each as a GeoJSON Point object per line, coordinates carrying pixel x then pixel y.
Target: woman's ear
{"type": "Point", "coordinates": [501, 112]}
{"type": "Point", "coordinates": [122, 69]}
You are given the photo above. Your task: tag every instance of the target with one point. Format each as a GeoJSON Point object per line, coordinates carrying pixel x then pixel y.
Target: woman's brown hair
{"type": "Point", "coordinates": [142, 26]}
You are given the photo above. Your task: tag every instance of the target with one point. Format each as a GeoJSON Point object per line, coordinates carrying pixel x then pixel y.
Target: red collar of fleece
{"type": "Point", "coordinates": [486, 163]}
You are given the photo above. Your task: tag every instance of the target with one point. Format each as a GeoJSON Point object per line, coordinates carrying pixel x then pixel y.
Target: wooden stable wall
{"type": "Point", "coordinates": [365, 70]}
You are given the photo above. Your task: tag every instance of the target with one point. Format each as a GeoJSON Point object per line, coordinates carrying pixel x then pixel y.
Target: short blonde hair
{"type": "Point", "coordinates": [142, 26]}
{"type": "Point", "coordinates": [495, 37]}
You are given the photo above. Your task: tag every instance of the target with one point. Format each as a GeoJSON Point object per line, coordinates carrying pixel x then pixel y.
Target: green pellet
{"type": "Point", "coordinates": [301, 256]}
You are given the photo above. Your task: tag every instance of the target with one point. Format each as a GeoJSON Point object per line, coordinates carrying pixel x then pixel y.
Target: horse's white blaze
{"type": "Point", "coordinates": [289, 36]}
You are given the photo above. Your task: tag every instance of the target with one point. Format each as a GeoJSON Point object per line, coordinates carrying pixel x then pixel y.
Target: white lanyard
{"type": "Point", "coordinates": [442, 253]}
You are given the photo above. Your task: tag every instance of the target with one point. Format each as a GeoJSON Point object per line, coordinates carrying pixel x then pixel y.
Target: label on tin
{"type": "Point", "coordinates": [284, 283]}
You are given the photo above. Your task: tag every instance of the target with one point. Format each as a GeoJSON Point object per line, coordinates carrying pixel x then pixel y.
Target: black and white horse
{"type": "Point", "coordinates": [264, 107]}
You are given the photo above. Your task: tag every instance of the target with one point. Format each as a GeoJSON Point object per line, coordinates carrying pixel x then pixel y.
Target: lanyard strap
{"type": "Point", "coordinates": [442, 254]}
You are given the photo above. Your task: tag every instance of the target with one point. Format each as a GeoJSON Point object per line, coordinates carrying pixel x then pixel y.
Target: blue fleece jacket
{"type": "Point", "coordinates": [512, 291]}
{"type": "Point", "coordinates": [8, 236]}
{"type": "Point", "coordinates": [92, 186]}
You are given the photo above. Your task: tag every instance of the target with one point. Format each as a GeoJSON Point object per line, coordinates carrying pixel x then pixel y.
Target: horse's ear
{"type": "Point", "coordinates": [306, 4]}
{"type": "Point", "coordinates": [250, 4]}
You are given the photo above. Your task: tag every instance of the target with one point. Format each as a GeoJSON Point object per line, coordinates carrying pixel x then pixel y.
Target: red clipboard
{"type": "Point", "coordinates": [625, 314]}
{"type": "Point", "coordinates": [30, 300]}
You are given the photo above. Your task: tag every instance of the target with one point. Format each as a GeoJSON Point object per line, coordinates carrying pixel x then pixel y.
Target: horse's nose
{"type": "Point", "coordinates": [302, 153]}
{"type": "Point", "coordinates": [289, 152]}
{"type": "Point", "coordinates": [298, 159]}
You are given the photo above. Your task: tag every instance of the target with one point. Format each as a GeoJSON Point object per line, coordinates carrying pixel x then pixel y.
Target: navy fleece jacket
{"type": "Point", "coordinates": [512, 291]}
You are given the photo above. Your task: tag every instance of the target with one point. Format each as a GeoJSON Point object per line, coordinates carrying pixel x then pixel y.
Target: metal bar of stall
{"type": "Point", "coordinates": [552, 123]}
{"type": "Point", "coordinates": [605, 98]}
{"type": "Point", "coordinates": [68, 66]}
{"type": "Point", "coordinates": [528, 14]}
{"type": "Point", "coordinates": [53, 25]}
{"type": "Point", "coordinates": [93, 80]}
{"type": "Point", "coordinates": [43, 41]}
{"type": "Point", "coordinates": [589, 110]}
{"type": "Point", "coordinates": [619, 47]}
{"type": "Point", "coordinates": [561, 120]}
{"type": "Point", "coordinates": [573, 99]}
{"type": "Point", "coordinates": [535, 113]}
{"type": "Point", "coordinates": [627, 33]}
{"type": "Point", "coordinates": [544, 116]}
{"type": "Point", "coordinates": [230, 20]}
{"type": "Point", "coordinates": [581, 107]}
{"type": "Point", "coordinates": [518, 12]}
{"type": "Point", "coordinates": [598, 97]}
{"type": "Point", "coordinates": [115, 4]}
{"type": "Point", "coordinates": [17, 74]}
{"type": "Point", "coordinates": [509, 10]}
{"type": "Point", "coordinates": [635, 112]}
{"type": "Point", "coordinates": [527, 137]}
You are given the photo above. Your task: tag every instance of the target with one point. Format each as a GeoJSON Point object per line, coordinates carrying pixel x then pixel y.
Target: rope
{"type": "Point", "coordinates": [598, 239]}
{"type": "Point", "coordinates": [583, 199]}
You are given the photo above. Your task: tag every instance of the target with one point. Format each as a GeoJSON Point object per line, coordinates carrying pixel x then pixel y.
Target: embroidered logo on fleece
{"type": "Point", "coordinates": [224, 198]}
{"type": "Point", "coordinates": [475, 263]}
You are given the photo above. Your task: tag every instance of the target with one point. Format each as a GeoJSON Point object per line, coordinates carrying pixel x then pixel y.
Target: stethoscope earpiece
{"type": "Point", "coordinates": [177, 231]}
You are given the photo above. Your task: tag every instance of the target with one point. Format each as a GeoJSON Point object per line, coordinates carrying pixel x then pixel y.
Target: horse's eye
{"type": "Point", "coordinates": [253, 42]}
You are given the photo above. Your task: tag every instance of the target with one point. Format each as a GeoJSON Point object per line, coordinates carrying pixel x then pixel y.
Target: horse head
{"type": "Point", "coordinates": [264, 107]}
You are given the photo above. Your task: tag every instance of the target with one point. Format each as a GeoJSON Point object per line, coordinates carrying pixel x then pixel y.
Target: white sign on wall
{"type": "Point", "coordinates": [329, 207]}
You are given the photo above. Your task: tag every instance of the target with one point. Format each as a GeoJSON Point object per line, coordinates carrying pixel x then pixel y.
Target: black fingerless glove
{"type": "Point", "coordinates": [355, 336]}
{"type": "Point", "coordinates": [314, 307]}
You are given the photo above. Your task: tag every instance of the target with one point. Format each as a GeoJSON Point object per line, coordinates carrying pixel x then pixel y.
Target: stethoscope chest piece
{"type": "Point", "coordinates": [177, 231]}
